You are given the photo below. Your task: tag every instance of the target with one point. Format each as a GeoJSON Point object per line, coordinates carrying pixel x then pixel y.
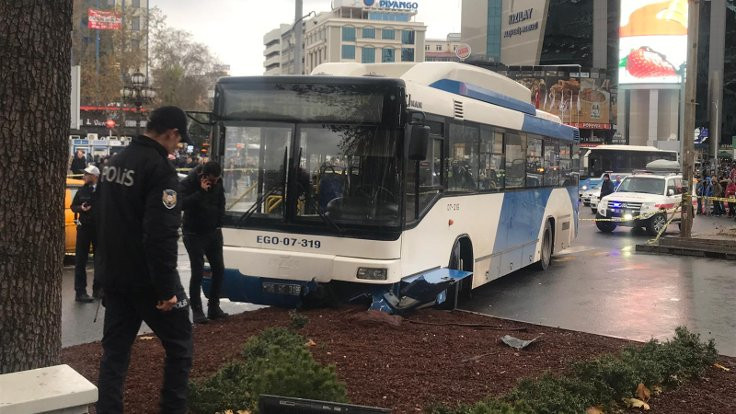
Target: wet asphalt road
{"type": "Point", "coordinates": [600, 285]}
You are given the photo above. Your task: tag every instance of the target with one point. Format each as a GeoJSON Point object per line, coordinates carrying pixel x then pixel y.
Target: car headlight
{"type": "Point", "coordinates": [647, 206]}
{"type": "Point", "coordinates": [585, 187]}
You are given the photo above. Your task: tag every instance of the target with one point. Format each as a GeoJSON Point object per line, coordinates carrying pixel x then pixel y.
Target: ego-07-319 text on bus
{"type": "Point", "coordinates": [402, 184]}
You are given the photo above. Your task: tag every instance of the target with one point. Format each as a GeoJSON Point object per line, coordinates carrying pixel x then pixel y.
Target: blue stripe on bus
{"type": "Point", "coordinates": [547, 128]}
{"type": "Point", "coordinates": [485, 95]}
{"type": "Point", "coordinates": [521, 218]}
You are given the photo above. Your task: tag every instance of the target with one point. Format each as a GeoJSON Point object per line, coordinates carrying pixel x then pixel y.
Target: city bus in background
{"type": "Point", "coordinates": [397, 184]}
{"type": "Point", "coordinates": [618, 159]}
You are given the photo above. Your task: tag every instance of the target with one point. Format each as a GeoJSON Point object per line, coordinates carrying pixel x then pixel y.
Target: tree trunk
{"type": "Point", "coordinates": [35, 85]}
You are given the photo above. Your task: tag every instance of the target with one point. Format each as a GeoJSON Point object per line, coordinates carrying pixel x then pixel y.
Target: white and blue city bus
{"type": "Point", "coordinates": [404, 184]}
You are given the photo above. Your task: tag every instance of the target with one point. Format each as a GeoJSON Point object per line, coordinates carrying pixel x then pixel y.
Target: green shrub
{"type": "Point", "coordinates": [604, 380]}
{"type": "Point", "coordinates": [296, 320]}
{"type": "Point", "coordinates": [276, 362]}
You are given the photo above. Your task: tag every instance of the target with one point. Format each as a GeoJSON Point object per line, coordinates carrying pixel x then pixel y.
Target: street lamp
{"type": "Point", "coordinates": [138, 92]}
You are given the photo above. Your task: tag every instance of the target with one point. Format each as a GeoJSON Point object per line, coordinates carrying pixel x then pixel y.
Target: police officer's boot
{"type": "Point", "coordinates": [213, 310]}
{"type": "Point", "coordinates": [198, 314]}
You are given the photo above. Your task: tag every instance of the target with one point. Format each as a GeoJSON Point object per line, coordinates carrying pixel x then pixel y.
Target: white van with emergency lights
{"type": "Point", "coordinates": [642, 200]}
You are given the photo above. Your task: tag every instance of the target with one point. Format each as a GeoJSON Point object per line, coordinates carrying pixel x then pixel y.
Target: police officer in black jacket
{"type": "Point", "coordinates": [203, 202]}
{"type": "Point", "coordinates": [138, 219]}
{"type": "Point", "coordinates": [83, 208]}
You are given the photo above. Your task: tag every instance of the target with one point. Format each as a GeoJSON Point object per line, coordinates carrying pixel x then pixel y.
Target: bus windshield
{"type": "Point", "coordinates": [312, 155]}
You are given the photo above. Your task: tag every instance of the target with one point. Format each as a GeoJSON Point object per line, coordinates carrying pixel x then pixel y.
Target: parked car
{"type": "Point", "coordinates": [70, 226]}
{"type": "Point", "coordinates": [641, 201]}
{"type": "Point", "coordinates": [592, 187]}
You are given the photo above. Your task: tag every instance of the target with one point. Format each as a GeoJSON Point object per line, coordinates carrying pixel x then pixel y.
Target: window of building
{"type": "Point", "coordinates": [369, 55]}
{"type": "Point", "coordinates": [137, 4]}
{"type": "Point", "coordinates": [462, 164]}
{"type": "Point", "coordinates": [348, 52]}
{"type": "Point", "coordinates": [407, 54]}
{"type": "Point", "coordinates": [426, 48]}
{"type": "Point", "coordinates": [388, 55]}
{"type": "Point", "coordinates": [534, 169]}
{"type": "Point", "coordinates": [490, 175]}
{"type": "Point", "coordinates": [515, 151]}
{"type": "Point", "coordinates": [369, 33]}
{"type": "Point", "coordinates": [407, 37]}
{"type": "Point", "coordinates": [388, 34]}
{"type": "Point", "coordinates": [136, 23]}
{"type": "Point", "coordinates": [348, 34]}
{"type": "Point", "coordinates": [438, 48]}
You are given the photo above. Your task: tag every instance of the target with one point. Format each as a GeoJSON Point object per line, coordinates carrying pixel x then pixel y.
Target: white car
{"type": "Point", "coordinates": [644, 200]}
{"type": "Point", "coordinates": [595, 197]}
{"type": "Point", "coordinates": [593, 187]}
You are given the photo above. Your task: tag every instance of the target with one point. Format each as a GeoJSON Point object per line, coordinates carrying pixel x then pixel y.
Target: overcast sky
{"type": "Point", "coordinates": [234, 29]}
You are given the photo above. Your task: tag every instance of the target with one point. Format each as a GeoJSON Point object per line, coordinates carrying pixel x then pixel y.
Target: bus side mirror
{"type": "Point", "coordinates": [418, 142]}
{"type": "Point", "coordinates": [670, 192]}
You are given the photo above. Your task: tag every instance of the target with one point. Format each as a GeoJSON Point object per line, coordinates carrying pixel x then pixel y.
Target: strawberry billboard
{"type": "Point", "coordinates": [103, 20]}
{"type": "Point", "coordinates": [652, 41]}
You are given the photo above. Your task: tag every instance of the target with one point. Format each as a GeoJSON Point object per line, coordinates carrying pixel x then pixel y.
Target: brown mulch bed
{"type": "Point", "coordinates": [427, 359]}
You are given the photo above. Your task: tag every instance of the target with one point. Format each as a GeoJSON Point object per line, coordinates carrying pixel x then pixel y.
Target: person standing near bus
{"type": "Point", "coordinates": [203, 202]}
{"type": "Point", "coordinates": [139, 214]}
{"type": "Point", "coordinates": [607, 186]}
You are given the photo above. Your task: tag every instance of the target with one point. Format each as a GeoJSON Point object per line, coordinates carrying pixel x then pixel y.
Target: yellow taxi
{"type": "Point", "coordinates": [70, 227]}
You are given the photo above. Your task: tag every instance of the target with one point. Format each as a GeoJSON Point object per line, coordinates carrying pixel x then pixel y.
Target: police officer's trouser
{"type": "Point", "coordinates": [85, 238]}
{"type": "Point", "coordinates": [123, 316]}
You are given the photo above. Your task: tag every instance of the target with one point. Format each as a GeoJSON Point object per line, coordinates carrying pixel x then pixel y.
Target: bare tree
{"type": "Point", "coordinates": [35, 83]}
{"type": "Point", "coordinates": [184, 71]}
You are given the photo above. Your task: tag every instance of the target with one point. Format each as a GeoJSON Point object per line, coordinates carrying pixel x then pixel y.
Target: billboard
{"type": "Point", "coordinates": [583, 102]}
{"type": "Point", "coordinates": [103, 20]}
{"type": "Point", "coordinates": [652, 41]}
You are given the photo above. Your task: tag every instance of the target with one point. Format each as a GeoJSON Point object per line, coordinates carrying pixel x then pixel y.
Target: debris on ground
{"type": "Point", "coordinates": [517, 343]}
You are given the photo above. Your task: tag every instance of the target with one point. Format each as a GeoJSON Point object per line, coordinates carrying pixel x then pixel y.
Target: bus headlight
{"type": "Point", "coordinates": [369, 273]}
{"type": "Point", "coordinates": [585, 187]}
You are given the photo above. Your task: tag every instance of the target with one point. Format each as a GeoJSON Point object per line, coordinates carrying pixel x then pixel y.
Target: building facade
{"type": "Point", "coordinates": [272, 53]}
{"type": "Point", "coordinates": [353, 31]}
{"type": "Point", "coordinates": [443, 50]}
{"type": "Point", "coordinates": [581, 38]}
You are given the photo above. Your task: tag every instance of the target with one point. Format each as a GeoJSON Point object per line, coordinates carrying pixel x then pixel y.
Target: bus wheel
{"type": "Point", "coordinates": [545, 257]}
{"type": "Point", "coordinates": [462, 288]}
{"type": "Point", "coordinates": [604, 226]}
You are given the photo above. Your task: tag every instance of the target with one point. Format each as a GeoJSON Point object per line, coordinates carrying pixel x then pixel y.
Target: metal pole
{"type": "Point", "coordinates": [298, 33]}
{"type": "Point", "coordinates": [690, 101]}
{"type": "Point", "coordinates": [138, 104]}
{"type": "Point", "coordinates": [97, 47]}
{"type": "Point", "coordinates": [716, 56]}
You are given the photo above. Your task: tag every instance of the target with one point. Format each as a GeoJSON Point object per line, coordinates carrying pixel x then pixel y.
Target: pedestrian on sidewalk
{"type": "Point", "coordinates": [707, 194]}
{"type": "Point", "coordinates": [718, 193]}
{"type": "Point", "coordinates": [83, 206]}
{"type": "Point", "coordinates": [731, 195]}
{"type": "Point", "coordinates": [699, 192]}
{"type": "Point", "coordinates": [138, 223]}
{"type": "Point", "coordinates": [203, 202]}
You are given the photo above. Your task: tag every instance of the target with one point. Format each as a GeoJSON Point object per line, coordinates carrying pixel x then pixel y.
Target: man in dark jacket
{"type": "Point", "coordinates": [607, 186]}
{"type": "Point", "coordinates": [82, 206]}
{"type": "Point", "coordinates": [79, 163]}
{"type": "Point", "coordinates": [203, 202]}
{"type": "Point", "coordinates": [138, 221]}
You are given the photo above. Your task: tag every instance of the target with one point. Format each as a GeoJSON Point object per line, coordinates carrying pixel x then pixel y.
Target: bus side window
{"type": "Point", "coordinates": [462, 163]}
{"type": "Point", "coordinates": [534, 171]}
{"type": "Point", "coordinates": [490, 175]}
{"type": "Point", "coordinates": [515, 151]}
{"type": "Point", "coordinates": [551, 163]}
{"type": "Point", "coordinates": [430, 179]}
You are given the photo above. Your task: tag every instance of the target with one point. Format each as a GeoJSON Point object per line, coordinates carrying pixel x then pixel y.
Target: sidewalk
{"type": "Point", "coordinates": [717, 240]}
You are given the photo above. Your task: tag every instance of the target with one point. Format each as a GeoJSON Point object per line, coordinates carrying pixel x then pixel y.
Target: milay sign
{"type": "Point", "coordinates": [391, 5]}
